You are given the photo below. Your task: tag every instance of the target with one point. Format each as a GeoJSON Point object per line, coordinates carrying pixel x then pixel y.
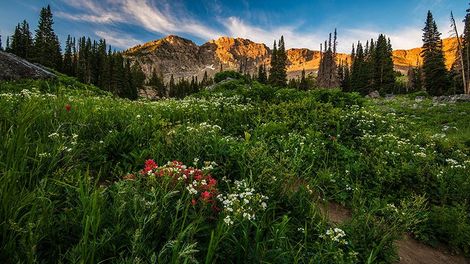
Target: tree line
{"type": "Point", "coordinates": [91, 62]}
{"type": "Point", "coordinates": [370, 68]}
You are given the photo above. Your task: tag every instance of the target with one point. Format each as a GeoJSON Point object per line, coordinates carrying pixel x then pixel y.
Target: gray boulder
{"type": "Point", "coordinates": [13, 67]}
{"type": "Point", "coordinates": [374, 95]}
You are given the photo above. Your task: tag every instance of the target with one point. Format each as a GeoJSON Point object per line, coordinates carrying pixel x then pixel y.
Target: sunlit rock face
{"type": "Point", "coordinates": [182, 58]}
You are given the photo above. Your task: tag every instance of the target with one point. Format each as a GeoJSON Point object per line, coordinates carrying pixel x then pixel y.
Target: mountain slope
{"type": "Point", "coordinates": [182, 58]}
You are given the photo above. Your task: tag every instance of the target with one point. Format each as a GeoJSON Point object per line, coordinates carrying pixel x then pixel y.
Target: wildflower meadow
{"type": "Point", "coordinates": [237, 174]}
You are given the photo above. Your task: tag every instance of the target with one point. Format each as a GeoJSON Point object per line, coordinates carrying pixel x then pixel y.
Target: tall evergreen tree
{"type": "Point", "coordinates": [46, 43]}
{"type": "Point", "coordinates": [262, 76]}
{"type": "Point", "coordinates": [328, 71]}
{"type": "Point", "coordinates": [359, 75]}
{"type": "Point", "coordinates": [436, 80]}
{"type": "Point", "coordinates": [22, 41]}
{"type": "Point", "coordinates": [369, 66]}
{"type": "Point", "coordinates": [415, 79]}
{"type": "Point", "coordinates": [273, 70]}
{"type": "Point", "coordinates": [102, 67]}
{"type": "Point", "coordinates": [172, 87]}
{"type": "Point", "coordinates": [138, 78]}
{"type": "Point", "coordinates": [383, 72]}
{"type": "Point", "coordinates": [8, 47]}
{"type": "Point", "coordinates": [205, 80]}
{"type": "Point", "coordinates": [303, 84]}
{"type": "Point", "coordinates": [278, 71]}
{"type": "Point", "coordinates": [346, 81]}
{"type": "Point", "coordinates": [75, 58]}
{"type": "Point", "coordinates": [16, 41]}
{"type": "Point", "coordinates": [282, 63]}
{"type": "Point", "coordinates": [67, 65]}
{"type": "Point", "coordinates": [131, 91]}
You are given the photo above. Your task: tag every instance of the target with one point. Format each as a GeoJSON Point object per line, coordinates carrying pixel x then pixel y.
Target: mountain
{"type": "Point", "coordinates": [183, 58]}
{"type": "Point", "coordinates": [402, 59]}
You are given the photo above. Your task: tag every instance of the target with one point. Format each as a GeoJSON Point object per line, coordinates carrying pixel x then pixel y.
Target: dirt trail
{"type": "Point", "coordinates": [410, 251]}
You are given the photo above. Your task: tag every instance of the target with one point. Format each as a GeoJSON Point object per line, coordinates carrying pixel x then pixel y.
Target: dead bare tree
{"type": "Point", "coordinates": [459, 47]}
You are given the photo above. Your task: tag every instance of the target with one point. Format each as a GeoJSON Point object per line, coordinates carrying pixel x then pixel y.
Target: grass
{"type": "Point", "coordinates": [66, 193]}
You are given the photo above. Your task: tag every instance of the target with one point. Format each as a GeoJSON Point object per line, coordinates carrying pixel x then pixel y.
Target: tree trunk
{"type": "Point", "coordinates": [459, 47]}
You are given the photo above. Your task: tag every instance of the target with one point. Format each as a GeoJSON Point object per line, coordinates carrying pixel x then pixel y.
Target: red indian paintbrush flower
{"type": "Point", "coordinates": [68, 107]}
{"type": "Point", "coordinates": [206, 196]}
{"type": "Point", "coordinates": [149, 165]}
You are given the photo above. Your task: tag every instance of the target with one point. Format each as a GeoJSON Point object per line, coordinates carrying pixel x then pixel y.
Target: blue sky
{"type": "Point", "coordinates": [304, 23]}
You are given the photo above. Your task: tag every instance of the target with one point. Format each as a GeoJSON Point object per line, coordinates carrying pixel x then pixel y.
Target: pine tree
{"type": "Point", "coordinates": [156, 83]}
{"type": "Point", "coordinates": [21, 41]}
{"type": "Point", "coordinates": [8, 47]}
{"type": "Point", "coordinates": [102, 67]}
{"type": "Point", "coordinates": [415, 78]}
{"type": "Point", "coordinates": [273, 70]}
{"type": "Point", "coordinates": [75, 59]}
{"type": "Point", "coordinates": [383, 72]}
{"type": "Point", "coordinates": [303, 84]}
{"type": "Point", "coordinates": [262, 76]}
{"type": "Point", "coordinates": [108, 75]}
{"type": "Point", "coordinates": [172, 87]}
{"type": "Point", "coordinates": [205, 80]}
{"type": "Point", "coordinates": [328, 72]}
{"type": "Point", "coordinates": [359, 81]}
{"type": "Point", "coordinates": [138, 78]}
{"type": "Point", "coordinates": [346, 81]}
{"type": "Point", "coordinates": [81, 61]}
{"type": "Point", "coordinates": [132, 85]}
{"type": "Point", "coordinates": [89, 61]}
{"type": "Point", "coordinates": [46, 43]}
{"type": "Point", "coordinates": [16, 41]}
{"type": "Point", "coordinates": [282, 63]}
{"type": "Point", "coordinates": [369, 66]}
{"type": "Point", "coordinates": [436, 80]}
{"type": "Point", "coordinates": [278, 73]}
{"type": "Point", "coordinates": [67, 65]}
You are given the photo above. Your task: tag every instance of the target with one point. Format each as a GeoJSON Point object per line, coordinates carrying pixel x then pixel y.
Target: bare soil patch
{"type": "Point", "coordinates": [410, 251]}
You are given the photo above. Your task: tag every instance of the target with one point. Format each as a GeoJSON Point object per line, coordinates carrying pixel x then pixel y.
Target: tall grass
{"type": "Point", "coordinates": [64, 199]}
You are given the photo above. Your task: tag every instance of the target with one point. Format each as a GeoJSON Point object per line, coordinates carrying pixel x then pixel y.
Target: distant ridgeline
{"type": "Point", "coordinates": [188, 59]}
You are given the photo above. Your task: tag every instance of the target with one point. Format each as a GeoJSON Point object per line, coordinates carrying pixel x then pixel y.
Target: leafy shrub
{"type": "Point", "coordinates": [337, 98]}
{"type": "Point", "coordinates": [451, 224]}
{"type": "Point", "coordinates": [220, 76]}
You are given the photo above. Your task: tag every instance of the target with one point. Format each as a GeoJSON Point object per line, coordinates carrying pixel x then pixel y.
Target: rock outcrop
{"type": "Point", "coordinates": [13, 67]}
{"type": "Point", "coordinates": [184, 59]}
{"type": "Point", "coordinates": [403, 59]}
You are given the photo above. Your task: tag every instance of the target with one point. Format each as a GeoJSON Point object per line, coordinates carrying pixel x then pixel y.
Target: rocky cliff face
{"type": "Point", "coordinates": [403, 59]}
{"type": "Point", "coordinates": [183, 58]}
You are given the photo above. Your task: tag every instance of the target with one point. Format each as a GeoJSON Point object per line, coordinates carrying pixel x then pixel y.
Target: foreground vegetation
{"type": "Point", "coordinates": [233, 175]}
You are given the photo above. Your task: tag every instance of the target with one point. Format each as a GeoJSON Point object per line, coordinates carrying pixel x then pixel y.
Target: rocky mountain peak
{"type": "Point", "coordinates": [174, 55]}
{"type": "Point", "coordinates": [177, 41]}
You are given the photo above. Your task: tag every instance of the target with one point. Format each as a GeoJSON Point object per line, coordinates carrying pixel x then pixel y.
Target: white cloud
{"type": "Point", "coordinates": [102, 19]}
{"type": "Point", "coordinates": [166, 18]}
{"type": "Point", "coordinates": [294, 39]}
{"type": "Point", "coordinates": [159, 19]}
{"type": "Point", "coordinates": [118, 40]}
{"type": "Point", "coordinates": [162, 20]}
